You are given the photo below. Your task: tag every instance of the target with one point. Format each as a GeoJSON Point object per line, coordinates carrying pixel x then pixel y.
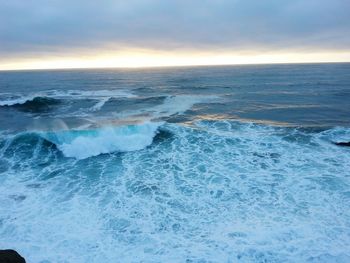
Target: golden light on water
{"type": "Point", "coordinates": [151, 58]}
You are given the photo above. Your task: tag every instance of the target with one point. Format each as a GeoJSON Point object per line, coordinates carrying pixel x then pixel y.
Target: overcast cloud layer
{"type": "Point", "coordinates": [40, 26]}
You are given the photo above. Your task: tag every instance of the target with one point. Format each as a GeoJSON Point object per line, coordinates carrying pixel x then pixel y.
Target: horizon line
{"type": "Point", "coordinates": [173, 66]}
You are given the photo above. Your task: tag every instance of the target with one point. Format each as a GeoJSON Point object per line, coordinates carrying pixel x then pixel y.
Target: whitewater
{"type": "Point", "coordinates": [197, 164]}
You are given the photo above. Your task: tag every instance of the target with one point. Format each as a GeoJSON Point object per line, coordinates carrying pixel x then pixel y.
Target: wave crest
{"type": "Point", "coordinates": [82, 144]}
{"type": "Point", "coordinates": [38, 104]}
{"type": "Point", "coordinates": [7, 99]}
{"type": "Point", "coordinates": [28, 101]}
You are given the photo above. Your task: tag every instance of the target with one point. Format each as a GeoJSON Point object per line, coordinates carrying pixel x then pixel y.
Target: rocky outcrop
{"type": "Point", "coordinates": [10, 256]}
{"type": "Point", "coordinates": [347, 144]}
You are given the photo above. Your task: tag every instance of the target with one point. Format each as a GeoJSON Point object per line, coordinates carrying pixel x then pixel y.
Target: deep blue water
{"type": "Point", "coordinates": [196, 164]}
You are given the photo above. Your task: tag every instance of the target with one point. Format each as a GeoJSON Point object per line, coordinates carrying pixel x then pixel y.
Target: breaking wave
{"type": "Point", "coordinates": [35, 104]}
{"type": "Point", "coordinates": [82, 144]}
{"type": "Point", "coordinates": [53, 95]}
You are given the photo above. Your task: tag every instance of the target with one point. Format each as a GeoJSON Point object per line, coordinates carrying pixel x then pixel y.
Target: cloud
{"type": "Point", "coordinates": [55, 26]}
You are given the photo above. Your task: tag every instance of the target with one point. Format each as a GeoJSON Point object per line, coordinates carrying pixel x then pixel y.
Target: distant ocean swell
{"type": "Point", "coordinates": [10, 99]}
{"type": "Point", "coordinates": [84, 104]}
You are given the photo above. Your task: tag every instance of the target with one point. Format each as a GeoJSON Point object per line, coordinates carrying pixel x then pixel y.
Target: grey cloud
{"type": "Point", "coordinates": [39, 26]}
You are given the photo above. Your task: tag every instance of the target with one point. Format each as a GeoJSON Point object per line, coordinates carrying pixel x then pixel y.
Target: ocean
{"type": "Point", "coordinates": [183, 164]}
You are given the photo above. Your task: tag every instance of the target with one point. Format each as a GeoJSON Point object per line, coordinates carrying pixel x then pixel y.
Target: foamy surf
{"type": "Point", "coordinates": [180, 104]}
{"type": "Point", "coordinates": [82, 144]}
{"type": "Point", "coordinates": [172, 105]}
{"type": "Point", "coordinates": [100, 104]}
{"type": "Point", "coordinates": [215, 179]}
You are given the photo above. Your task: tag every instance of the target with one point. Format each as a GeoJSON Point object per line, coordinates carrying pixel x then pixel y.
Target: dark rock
{"type": "Point", "coordinates": [10, 256]}
{"type": "Point", "coordinates": [347, 144]}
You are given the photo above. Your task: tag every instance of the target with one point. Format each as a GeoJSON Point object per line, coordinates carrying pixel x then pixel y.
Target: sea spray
{"type": "Point", "coordinates": [82, 144]}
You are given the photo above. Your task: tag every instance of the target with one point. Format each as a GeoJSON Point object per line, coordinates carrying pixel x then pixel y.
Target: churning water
{"type": "Point", "coordinates": [207, 164]}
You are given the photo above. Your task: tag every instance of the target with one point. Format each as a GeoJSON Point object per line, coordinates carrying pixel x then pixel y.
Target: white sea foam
{"type": "Point", "coordinates": [219, 191]}
{"type": "Point", "coordinates": [172, 105]}
{"type": "Point", "coordinates": [94, 93]}
{"type": "Point", "coordinates": [86, 143]}
{"type": "Point", "coordinates": [338, 134]}
{"type": "Point", "coordinates": [100, 104]}
{"type": "Point", "coordinates": [179, 104]}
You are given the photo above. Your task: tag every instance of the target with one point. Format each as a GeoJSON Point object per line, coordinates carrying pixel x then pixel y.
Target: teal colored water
{"type": "Point", "coordinates": [200, 164]}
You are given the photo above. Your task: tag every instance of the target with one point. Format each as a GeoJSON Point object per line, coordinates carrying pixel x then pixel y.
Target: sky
{"type": "Point", "coordinates": [137, 33]}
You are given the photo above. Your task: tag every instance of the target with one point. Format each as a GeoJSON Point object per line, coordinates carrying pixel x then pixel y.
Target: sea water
{"type": "Point", "coordinates": [194, 164]}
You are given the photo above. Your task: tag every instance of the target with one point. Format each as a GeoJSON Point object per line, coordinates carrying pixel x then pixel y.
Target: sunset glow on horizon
{"type": "Point", "coordinates": [154, 33]}
{"type": "Point", "coordinates": [141, 33]}
{"type": "Point", "coordinates": [150, 58]}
